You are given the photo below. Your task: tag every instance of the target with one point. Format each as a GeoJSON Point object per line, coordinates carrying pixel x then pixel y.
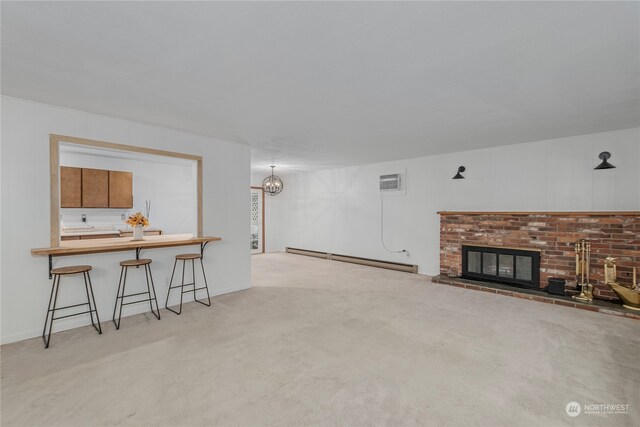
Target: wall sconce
{"type": "Point", "coordinates": [604, 156]}
{"type": "Point", "coordinates": [459, 174]}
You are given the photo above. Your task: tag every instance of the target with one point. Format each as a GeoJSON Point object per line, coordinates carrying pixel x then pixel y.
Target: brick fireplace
{"type": "Point", "coordinates": [553, 234]}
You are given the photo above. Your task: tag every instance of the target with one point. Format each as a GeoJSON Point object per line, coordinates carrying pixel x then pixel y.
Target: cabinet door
{"type": "Point", "coordinates": [70, 187]}
{"type": "Point", "coordinates": [120, 189]}
{"type": "Point", "coordinates": [95, 188]}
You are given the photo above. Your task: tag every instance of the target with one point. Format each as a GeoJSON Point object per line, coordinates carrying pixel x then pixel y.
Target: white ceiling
{"type": "Point", "coordinates": [313, 85]}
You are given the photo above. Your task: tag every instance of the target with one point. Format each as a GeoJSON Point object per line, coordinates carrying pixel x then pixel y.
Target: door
{"type": "Point", "coordinates": [70, 187]}
{"type": "Point", "coordinates": [95, 188]}
{"type": "Point", "coordinates": [257, 220]}
{"type": "Point", "coordinates": [120, 189]}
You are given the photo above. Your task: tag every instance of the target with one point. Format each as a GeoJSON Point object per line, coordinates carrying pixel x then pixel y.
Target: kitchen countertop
{"type": "Point", "coordinates": [130, 230]}
{"type": "Point", "coordinates": [99, 232]}
{"type": "Point", "coordinates": [89, 233]}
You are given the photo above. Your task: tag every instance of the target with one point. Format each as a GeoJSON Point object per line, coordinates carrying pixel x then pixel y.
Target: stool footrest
{"type": "Point", "coordinates": [182, 286]}
{"type": "Point", "coordinates": [71, 315]}
{"type": "Point", "coordinates": [133, 295]}
{"type": "Point", "coordinates": [69, 306]}
{"type": "Point", "coordinates": [136, 302]}
{"type": "Point", "coordinates": [191, 290]}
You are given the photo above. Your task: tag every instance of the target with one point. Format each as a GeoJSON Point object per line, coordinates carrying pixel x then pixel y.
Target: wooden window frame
{"type": "Point", "coordinates": [54, 166]}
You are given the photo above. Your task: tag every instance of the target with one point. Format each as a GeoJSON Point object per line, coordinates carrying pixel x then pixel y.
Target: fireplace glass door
{"type": "Point", "coordinates": [505, 265]}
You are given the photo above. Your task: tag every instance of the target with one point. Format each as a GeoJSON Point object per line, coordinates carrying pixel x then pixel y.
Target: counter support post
{"type": "Point", "coordinates": [50, 267]}
{"type": "Point", "coordinates": [138, 250]}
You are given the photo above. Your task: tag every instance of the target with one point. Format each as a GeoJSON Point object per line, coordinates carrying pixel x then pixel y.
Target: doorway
{"type": "Point", "coordinates": [257, 220]}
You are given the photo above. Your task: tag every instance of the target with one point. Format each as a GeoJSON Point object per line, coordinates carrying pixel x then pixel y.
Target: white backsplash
{"type": "Point", "coordinates": [98, 218]}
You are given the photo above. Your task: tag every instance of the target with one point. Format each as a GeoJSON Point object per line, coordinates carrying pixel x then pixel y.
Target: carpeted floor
{"type": "Point", "coordinates": [318, 342]}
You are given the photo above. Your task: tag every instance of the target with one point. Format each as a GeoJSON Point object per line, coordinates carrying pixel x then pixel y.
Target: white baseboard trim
{"type": "Point", "coordinates": [78, 322]}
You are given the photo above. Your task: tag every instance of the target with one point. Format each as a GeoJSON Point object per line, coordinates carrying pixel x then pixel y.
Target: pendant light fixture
{"type": "Point", "coordinates": [604, 156]}
{"type": "Point", "coordinates": [272, 185]}
{"type": "Point", "coordinates": [459, 174]}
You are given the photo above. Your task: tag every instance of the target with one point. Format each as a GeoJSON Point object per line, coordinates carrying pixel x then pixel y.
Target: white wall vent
{"type": "Point", "coordinates": [392, 182]}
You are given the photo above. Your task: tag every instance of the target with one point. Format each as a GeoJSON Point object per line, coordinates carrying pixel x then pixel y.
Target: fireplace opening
{"type": "Point", "coordinates": [516, 267]}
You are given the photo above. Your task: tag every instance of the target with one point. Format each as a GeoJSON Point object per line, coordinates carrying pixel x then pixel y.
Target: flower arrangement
{"type": "Point", "coordinates": [137, 219]}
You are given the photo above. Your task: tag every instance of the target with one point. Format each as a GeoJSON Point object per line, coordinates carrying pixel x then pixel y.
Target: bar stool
{"type": "Point", "coordinates": [57, 273]}
{"type": "Point", "coordinates": [121, 288]}
{"type": "Point", "coordinates": [184, 258]}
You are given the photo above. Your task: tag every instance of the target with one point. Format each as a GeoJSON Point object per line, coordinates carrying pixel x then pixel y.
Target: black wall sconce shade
{"type": "Point", "coordinates": [459, 174]}
{"type": "Point", "coordinates": [604, 156]}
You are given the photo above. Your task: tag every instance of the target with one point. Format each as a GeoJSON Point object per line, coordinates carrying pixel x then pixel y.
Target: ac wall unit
{"type": "Point", "coordinates": [391, 182]}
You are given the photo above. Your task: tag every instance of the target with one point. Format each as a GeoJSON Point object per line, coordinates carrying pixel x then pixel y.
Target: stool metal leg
{"type": "Point", "coordinates": [193, 276]}
{"type": "Point", "coordinates": [147, 271]}
{"type": "Point", "coordinates": [124, 283]}
{"type": "Point", "coordinates": [51, 310]}
{"type": "Point", "coordinates": [95, 307]}
{"type": "Point", "coordinates": [182, 285]}
{"type": "Point", "coordinates": [88, 287]}
{"type": "Point", "coordinates": [206, 286]}
{"type": "Point", "coordinates": [166, 303]}
{"type": "Point", "coordinates": [115, 307]}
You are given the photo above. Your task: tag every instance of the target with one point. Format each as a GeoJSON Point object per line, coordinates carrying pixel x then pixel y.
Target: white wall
{"type": "Point", "coordinates": [25, 214]}
{"type": "Point", "coordinates": [339, 210]}
{"type": "Point", "coordinates": [169, 183]}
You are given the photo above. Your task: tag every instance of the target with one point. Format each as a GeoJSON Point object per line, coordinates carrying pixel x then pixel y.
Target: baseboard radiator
{"type": "Point", "coordinates": [408, 268]}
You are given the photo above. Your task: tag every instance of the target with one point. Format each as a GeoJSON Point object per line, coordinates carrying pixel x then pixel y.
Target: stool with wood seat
{"type": "Point", "coordinates": [184, 258]}
{"type": "Point", "coordinates": [57, 273]}
{"type": "Point", "coordinates": [121, 295]}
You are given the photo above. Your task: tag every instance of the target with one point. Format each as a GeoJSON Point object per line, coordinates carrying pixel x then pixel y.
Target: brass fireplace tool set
{"type": "Point", "coordinates": [628, 293]}
{"type": "Point", "coordinates": [583, 262]}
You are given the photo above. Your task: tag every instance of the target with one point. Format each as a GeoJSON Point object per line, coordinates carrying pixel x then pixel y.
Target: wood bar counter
{"type": "Point", "coordinates": [95, 246]}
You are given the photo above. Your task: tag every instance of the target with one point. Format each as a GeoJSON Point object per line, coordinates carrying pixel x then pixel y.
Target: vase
{"type": "Point", "coordinates": [138, 234]}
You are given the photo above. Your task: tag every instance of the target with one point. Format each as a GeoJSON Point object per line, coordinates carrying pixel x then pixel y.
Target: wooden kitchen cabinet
{"type": "Point", "coordinates": [120, 189]}
{"type": "Point", "coordinates": [70, 187]}
{"type": "Point", "coordinates": [95, 188]}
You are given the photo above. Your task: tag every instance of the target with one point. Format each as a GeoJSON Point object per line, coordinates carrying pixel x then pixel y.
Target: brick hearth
{"type": "Point", "coordinates": [614, 234]}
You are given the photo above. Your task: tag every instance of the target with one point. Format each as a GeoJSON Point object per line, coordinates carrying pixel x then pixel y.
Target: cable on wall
{"type": "Point", "coordinates": [402, 251]}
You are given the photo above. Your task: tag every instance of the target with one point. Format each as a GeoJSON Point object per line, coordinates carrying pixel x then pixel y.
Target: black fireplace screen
{"type": "Point", "coordinates": [506, 265]}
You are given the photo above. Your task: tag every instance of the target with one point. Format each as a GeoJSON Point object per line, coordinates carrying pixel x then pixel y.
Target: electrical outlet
{"type": "Point", "coordinates": [123, 216]}
{"type": "Point", "coordinates": [84, 217]}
